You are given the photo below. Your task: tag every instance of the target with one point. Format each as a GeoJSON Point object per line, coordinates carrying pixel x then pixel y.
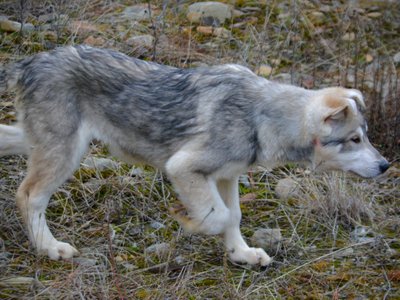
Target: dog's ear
{"type": "Point", "coordinates": [336, 110]}
{"type": "Point", "coordinates": [332, 107]}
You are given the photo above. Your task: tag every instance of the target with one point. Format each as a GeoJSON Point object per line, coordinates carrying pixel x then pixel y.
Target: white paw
{"type": "Point", "coordinates": [252, 256]}
{"type": "Point", "coordinates": [56, 250]}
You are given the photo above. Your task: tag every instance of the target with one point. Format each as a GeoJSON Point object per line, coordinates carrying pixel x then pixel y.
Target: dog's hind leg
{"type": "Point", "coordinates": [235, 245]}
{"type": "Point", "coordinates": [12, 141]}
{"type": "Point", "coordinates": [49, 165]}
{"type": "Point", "coordinates": [207, 212]}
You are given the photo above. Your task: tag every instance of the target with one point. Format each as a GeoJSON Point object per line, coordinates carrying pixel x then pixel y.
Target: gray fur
{"type": "Point", "coordinates": [156, 108]}
{"type": "Point", "coordinates": [202, 126]}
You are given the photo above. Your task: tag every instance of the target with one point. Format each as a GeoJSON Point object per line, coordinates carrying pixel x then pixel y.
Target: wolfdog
{"type": "Point", "coordinates": [203, 127]}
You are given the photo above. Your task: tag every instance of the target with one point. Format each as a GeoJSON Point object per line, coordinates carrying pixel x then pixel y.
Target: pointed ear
{"type": "Point", "coordinates": [335, 109]}
{"type": "Point", "coordinates": [337, 114]}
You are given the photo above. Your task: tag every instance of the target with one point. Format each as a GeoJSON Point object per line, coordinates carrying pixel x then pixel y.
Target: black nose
{"type": "Point", "coordinates": [383, 166]}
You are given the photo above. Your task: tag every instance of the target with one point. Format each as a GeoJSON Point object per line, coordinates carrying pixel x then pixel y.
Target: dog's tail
{"type": "Point", "coordinates": [9, 76]}
{"type": "Point", "coordinates": [3, 80]}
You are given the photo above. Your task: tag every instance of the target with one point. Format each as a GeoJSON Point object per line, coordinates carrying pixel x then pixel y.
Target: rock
{"type": "Point", "coordinates": [215, 31]}
{"type": "Point", "coordinates": [180, 260]}
{"type": "Point", "coordinates": [264, 70]}
{"type": "Point", "coordinates": [160, 249]}
{"type": "Point", "coordinates": [349, 37]}
{"type": "Point", "coordinates": [317, 17]}
{"type": "Point", "coordinates": [396, 58]}
{"type": "Point", "coordinates": [268, 239]}
{"type": "Point", "coordinates": [141, 41]}
{"type": "Point", "coordinates": [157, 225]}
{"type": "Point", "coordinates": [83, 261]}
{"type": "Point", "coordinates": [205, 11]}
{"type": "Point", "coordinates": [12, 26]}
{"type": "Point", "coordinates": [374, 15]}
{"type": "Point", "coordinates": [94, 41]}
{"type": "Point", "coordinates": [287, 188]}
{"type": "Point", "coordinates": [53, 17]}
{"type": "Point", "coordinates": [139, 12]}
{"type": "Point", "coordinates": [369, 58]}
{"type": "Point", "coordinates": [100, 164]}
{"type": "Point", "coordinates": [249, 197]}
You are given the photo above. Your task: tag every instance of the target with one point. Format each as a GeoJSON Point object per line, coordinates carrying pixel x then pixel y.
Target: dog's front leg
{"type": "Point", "coordinates": [235, 245]}
{"type": "Point", "coordinates": [204, 210]}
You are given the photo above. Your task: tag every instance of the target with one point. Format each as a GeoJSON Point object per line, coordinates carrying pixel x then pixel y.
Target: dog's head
{"type": "Point", "coordinates": [340, 134]}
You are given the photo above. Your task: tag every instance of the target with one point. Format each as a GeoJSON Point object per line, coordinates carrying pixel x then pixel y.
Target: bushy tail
{"type": "Point", "coordinates": [8, 77]}
{"type": "Point", "coordinates": [3, 81]}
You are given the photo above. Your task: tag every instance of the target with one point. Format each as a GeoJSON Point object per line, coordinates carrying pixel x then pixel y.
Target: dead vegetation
{"type": "Point", "coordinates": [340, 234]}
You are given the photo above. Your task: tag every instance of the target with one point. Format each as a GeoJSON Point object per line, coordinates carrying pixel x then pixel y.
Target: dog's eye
{"type": "Point", "coordinates": [356, 140]}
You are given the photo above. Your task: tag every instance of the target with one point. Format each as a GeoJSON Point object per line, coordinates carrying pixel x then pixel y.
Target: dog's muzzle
{"type": "Point", "coordinates": [383, 166]}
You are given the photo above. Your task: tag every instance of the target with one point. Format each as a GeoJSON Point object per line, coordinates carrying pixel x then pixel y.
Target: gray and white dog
{"type": "Point", "coordinates": [203, 127]}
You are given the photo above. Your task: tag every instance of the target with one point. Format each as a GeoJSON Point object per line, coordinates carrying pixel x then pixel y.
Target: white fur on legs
{"type": "Point", "coordinates": [12, 141]}
{"type": "Point", "coordinates": [207, 212]}
{"type": "Point", "coordinates": [33, 211]}
{"type": "Point", "coordinates": [235, 245]}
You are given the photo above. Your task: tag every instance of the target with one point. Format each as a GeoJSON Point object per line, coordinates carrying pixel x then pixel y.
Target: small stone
{"type": "Point", "coordinates": [221, 32]}
{"type": "Point", "coordinates": [369, 58]}
{"type": "Point", "coordinates": [47, 18]}
{"type": "Point", "coordinates": [205, 29]}
{"type": "Point", "coordinates": [119, 259]}
{"type": "Point", "coordinates": [160, 249]}
{"type": "Point", "coordinates": [287, 188]}
{"type": "Point", "coordinates": [197, 12]}
{"type": "Point", "coordinates": [396, 58]}
{"type": "Point", "coordinates": [141, 41]}
{"type": "Point", "coordinates": [157, 225]}
{"type": "Point", "coordinates": [374, 15]}
{"type": "Point", "coordinates": [12, 26]}
{"type": "Point", "coordinates": [317, 17]}
{"type": "Point", "coordinates": [94, 41]}
{"type": "Point", "coordinates": [349, 37]}
{"type": "Point", "coordinates": [248, 197]}
{"type": "Point", "coordinates": [87, 262]}
{"type": "Point", "coordinates": [264, 70]}
{"type": "Point", "coordinates": [180, 260]}
{"type": "Point", "coordinates": [139, 12]}
{"type": "Point", "coordinates": [215, 31]}
{"type": "Point", "coordinates": [267, 238]}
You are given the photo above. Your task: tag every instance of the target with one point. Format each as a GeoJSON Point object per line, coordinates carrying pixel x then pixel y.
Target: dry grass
{"type": "Point", "coordinates": [340, 234]}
